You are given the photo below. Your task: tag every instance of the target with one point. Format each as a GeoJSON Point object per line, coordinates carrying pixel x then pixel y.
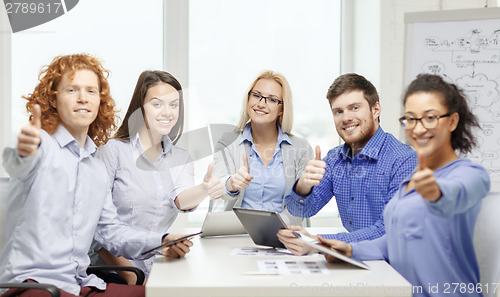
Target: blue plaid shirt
{"type": "Point", "coordinates": [361, 185]}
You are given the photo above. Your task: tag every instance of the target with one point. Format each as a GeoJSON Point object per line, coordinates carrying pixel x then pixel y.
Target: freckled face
{"type": "Point", "coordinates": [77, 101]}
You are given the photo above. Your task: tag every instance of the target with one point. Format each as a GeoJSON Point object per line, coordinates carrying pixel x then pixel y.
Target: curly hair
{"type": "Point", "coordinates": [45, 93]}
{"type": "Point", "coordinates": [462, 139]}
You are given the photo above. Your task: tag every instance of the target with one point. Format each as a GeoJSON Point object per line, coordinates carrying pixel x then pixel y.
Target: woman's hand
{"type": "Point", "coordinates": [241, 179]}
{"type": "Point", "coordinates": [425, 182]}
{"type": "Point", "coordinates": [177, 250]}
{"type": "Point", "coordinates": [340, 246]}
{"type": "Point", "coordinates": [211, 184]}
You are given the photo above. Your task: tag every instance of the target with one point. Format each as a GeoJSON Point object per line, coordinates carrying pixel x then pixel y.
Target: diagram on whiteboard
{"type": "Point", "coordinates": [466, 53]}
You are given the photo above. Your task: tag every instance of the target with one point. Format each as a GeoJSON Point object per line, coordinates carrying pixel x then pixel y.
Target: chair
{"type": "Point", "coordinates": [98, 270]}
{"type": "Point", "coordinates": [53, 290]}
{"type": "Point", "coordinates": [487, 244]}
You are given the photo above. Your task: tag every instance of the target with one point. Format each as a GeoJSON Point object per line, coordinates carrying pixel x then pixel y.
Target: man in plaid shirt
{"type": "Point", "coordinates": [362, 174]}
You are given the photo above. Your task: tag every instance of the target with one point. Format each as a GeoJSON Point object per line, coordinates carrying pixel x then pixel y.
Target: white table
{"type": "Point", "coordinates": [210, 270]}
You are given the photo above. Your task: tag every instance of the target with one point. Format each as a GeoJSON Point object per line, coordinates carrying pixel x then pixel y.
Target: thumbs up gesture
{"type": "Point", "coordinates": [211, 184]}
{"type": "Point", "coordinates": [241, 179]}
{"type": "Point", "coordinates": [312, 175]}
{"type": "Point", "coordinates": [425, 182]}
{"type": "Point", "coordinates": [29, 138]}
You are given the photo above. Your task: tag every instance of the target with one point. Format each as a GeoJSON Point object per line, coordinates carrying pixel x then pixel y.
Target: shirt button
{"type": "Point", "coordinates": [350, 223]}
{"type": "Point", "coordinates": [352, 198]}
{"type": "Point", "coordinates": [301, 200]}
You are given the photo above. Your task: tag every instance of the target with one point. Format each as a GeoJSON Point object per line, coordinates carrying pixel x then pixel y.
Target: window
{"type": "Point", "coordinates": [125, 47]}
{"type": "Point", "coordinates": [230, 42]}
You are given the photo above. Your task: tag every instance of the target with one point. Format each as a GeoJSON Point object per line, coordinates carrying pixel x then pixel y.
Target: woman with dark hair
{"type": "Point", "coordinates": [430, 221]}
{"type": "Point", "coordinates": [152, 180]}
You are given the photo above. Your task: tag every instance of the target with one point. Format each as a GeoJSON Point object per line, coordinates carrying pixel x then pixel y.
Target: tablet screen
{"type": "Point", "coordinates": [262, 225]}
{"type": "Point", "coordinates": [171, 242]}
{"type": "Point", "coordinates": [323, 249]}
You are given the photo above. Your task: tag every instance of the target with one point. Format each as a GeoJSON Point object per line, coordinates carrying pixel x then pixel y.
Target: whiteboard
{"type": "Point", "coordinates": [463, 46]}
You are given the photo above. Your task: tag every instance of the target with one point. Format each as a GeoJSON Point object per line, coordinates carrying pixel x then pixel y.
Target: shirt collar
{"type": "Point", "coordinates": [372, 147]}
{"type": "Point", "coordinates": [246, 135]}
{"type": "Point", "coordinates": [64, 138]}
{"type": "Point", "coordinates": [166, 143]}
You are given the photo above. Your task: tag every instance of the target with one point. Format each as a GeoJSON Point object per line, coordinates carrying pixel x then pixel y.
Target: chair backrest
{"type": "Point", "coordinates": [487, 244]}
{"type": "Point", "coordinates": [4, 186]}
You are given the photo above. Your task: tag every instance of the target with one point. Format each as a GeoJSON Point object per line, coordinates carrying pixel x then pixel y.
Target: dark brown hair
{"type": "Point", "coordinates": [462, 139]}
{"type": "Point", "coordinates": [146, 80]}
{"type": "Point", "coordinates": [351, 82]}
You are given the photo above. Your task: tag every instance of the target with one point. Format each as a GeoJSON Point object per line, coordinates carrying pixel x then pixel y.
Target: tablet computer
{"type": "Point", "coordinates": [325, 250]}
{"type": "Point", "coordinates": [261, 225]}
{"type": "Point", "coordinates": [169, 243]}
{"type": "Point", "coordinates": [222, 223]}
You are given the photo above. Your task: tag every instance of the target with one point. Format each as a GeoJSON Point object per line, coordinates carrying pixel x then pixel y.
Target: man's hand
{"type": "Point", "coordinates": [241, 179]}
{"type": "Point", "coordinates": [211, 184]}
{"type": "Point", "coordinates": [29, 138]}
{"type": "Point", "coordinates": [177, 250]}
{"type": "Point", "coordinates": [312, 175]}
{"type": "Point", "coordinates": [292, 243]}
{"type": "Point", "coordinates": [340, 246]}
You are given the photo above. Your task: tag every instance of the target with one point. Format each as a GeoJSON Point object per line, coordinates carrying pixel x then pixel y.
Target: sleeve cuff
{"type": "Point", "coordinates": [232, 194]}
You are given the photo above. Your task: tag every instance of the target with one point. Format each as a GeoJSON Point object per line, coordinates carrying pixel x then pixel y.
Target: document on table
{"type": "Point", "coordinates": [292, 267]}
{"type": "Point", "coordinates": [260, 252]}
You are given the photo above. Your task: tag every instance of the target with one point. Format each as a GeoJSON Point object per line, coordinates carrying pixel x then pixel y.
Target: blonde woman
{"type": "Point", "coordinates": [259, 162]}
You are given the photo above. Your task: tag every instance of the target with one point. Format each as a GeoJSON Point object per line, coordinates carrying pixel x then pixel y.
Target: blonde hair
{"type": "Point", "coordinates": [286, 119]}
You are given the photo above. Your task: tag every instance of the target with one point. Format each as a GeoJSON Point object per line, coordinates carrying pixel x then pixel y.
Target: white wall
{"type": "Point", "coordinates": [373, 45]}
{"type": "Point", "coordinates": [5, 68]}
{"type": "Point", "coordinates": [392, 49]}
{"type": "Point", "coordinates": [300, 42]}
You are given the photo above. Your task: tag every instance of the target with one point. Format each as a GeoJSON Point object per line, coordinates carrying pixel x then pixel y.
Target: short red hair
{"type": "Point", "coordinates": [46, 91]}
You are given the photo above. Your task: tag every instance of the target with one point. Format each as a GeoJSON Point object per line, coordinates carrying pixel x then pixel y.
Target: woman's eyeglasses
{"type": "Point", "coordinates": [269, 100]}
{"type": "Point", "coordinates": [429, 122]}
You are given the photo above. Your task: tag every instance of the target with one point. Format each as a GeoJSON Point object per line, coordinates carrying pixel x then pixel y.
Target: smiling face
{"type": "Point", "coordinates": [261, 112]}
{"type": "Point", "coordinates": [77, 102]}
{"type": "Point", "coordinates": [161, 108]}
{"type": "Point", "coordinates": [433, 143]}
{"type": "Point", "coordinates": [354, 120]}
